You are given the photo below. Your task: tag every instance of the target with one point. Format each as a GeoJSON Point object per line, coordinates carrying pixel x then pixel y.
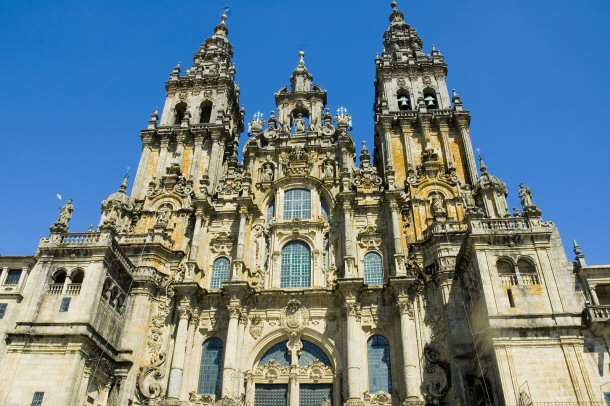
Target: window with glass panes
{"type": "Point", "coordinates": [296, 265]}
{"type": "Point", "coordinates": [297, 204]}
{"type": "Point", "coordinates": [380, 371]}
{"type": "Point", "coordinates": [310, 394]}
{"type": "Point", "coordinates": [373, 269]}
{"type": "Point", "coordinates": [37, 399]}
{"type": "Point", "coordinates": [221, 270]}
{"type": "Point", "coordinates": [13, 276]}
{"type": "Point", "coordinates": [2, 310]}
{"type": "Point", "coordinates": [210, 372]}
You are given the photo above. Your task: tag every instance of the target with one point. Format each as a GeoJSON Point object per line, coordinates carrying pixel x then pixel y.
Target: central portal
{"type": "Point", "coordinates": [295, 374]}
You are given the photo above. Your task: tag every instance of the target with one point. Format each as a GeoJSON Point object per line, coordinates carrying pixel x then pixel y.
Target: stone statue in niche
{"type": "Point", "coordinates": [437, 206]}
{"type": "Point", "coordinates": [299, 123]}
{"type": "Point", "coordinates": [329, 170]}
{"type": "Point", "coordinates": [313, 123]}
{"type": "Point", "coordinates": [525, 193]}
{"type": "Point", "coordinates": [163, 214]}
{"type": "Point", "coordinates": [267, 173]}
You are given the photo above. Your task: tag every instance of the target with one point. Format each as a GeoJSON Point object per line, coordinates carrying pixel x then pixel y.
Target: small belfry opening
{"type": "Point", "coordinates": [179, 112]}
{"type": "Point", "coordinates": [430, 98]}
{"type": "Point", "coordinates": [205, 112]}
{"type": "Point", "coordinates": [404, 100]}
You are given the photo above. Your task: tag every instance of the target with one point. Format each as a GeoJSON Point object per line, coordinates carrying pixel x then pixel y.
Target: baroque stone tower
{"type": "Point", "coordinates": [300, 275]}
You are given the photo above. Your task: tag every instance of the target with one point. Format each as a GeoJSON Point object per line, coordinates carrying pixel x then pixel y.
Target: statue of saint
{"type": "Point", "coordinates": [267, 173]}
{"type": "Point", "coordinates": [525, 194]}
{"type": "Point", "coordinates": [299, 123]}
{"type": "Point", "coordinates": [437, 205]}
{"type": "Point", "coordinates": [329, 170]}
{"type": "Point", "coordinates": [65, 214]}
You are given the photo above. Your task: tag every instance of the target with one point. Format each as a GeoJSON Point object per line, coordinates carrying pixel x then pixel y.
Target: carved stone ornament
{"type": "Point", "coordinates": [221, 242]}
{"type": "Point", "coordinates": [150, 376]}
{"type": "Point", "coordinates": [256, 327]}
{"type": "Point", "coordinates": [173, 182]}
{"type": "Point", "coordinates": [366, 178]}
{"type": "Point", "coordinates": [369, 238]}
{"type": "Point", "coordinates": [437, 376]}
{"type": "Point", "coordinates": [379, 398]}
{"type": "Point", "coordinates": [294, 317]}
{"type": "Point", "coordinates": [297, 162]}
{"type": "Point", "coordinates": [272, 372]}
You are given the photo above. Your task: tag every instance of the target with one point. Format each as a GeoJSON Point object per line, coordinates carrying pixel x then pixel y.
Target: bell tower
{"type": "Point", "coordinates": [186, 148]}
{"type": "Point", "coordinates": [422, 134]}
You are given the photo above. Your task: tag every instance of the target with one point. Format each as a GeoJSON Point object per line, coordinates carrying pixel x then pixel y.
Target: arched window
{"type": "Point", "coordinates": [525, 267]}
{"type": "Point", "coordinates": [373, 269]}
{"type": "Point", "coordinates": [77, 276]}
{"type": "Point", "coordinates": [278, 353]}
{"type": "Point", "coordinates": [60, 277]}
{"type": "Point", "coordinates": [210, 372]}
{"type": "Point", "coordinates": [179, 112]}
{"type": "Point", "coordinates": [311, 353]}
{"type": "Point", "coordinates": [296, 265]}
{"type": "Point", "coordinates": [297, 204]}
{"type": "Point", "coordinates": [505, 267]}
{"type": "Point", "coordinates": [380, 370]}
{"type": "Point", "coordinates": [221, 269]}
{"type": "Point", "coordinates": [318, 392]}
{"type": "Point", "coordinates": [403, 99]}
{"type": "Point", "coordinates": [430, 99]}
{"type": "Point", "coordinates": [205, 111]}
{"type": "Point", "coordinates": [528, 273]}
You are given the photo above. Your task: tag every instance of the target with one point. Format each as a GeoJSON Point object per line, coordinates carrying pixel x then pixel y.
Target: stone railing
{"type": "Point", "coordinates": [133, 238]}
{"type": "Point", "coordinates": [80, 238]}
{"type": "Point", "coordinates": [509, 280]}
{"type": "Point", "coordinates": [56, 289]}
{"type": "Point", "coordinates": [445, 227]}
{"type": "Point", "coordinates": [499, 225]}
{"type": "Point", "coordinates": [529, 280]}
{"type": "Point", "coordinates": [598, 313]}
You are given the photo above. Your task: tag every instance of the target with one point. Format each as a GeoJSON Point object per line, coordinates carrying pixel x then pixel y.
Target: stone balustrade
{"type": "Point", "coordinates": [445, 227]}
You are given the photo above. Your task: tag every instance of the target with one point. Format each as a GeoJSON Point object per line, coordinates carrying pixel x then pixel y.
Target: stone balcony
{"type": "Point", "coordinates": [598, 316]}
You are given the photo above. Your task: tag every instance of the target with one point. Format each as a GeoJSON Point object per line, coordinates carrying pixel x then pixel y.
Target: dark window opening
{"type": "Point", "coordinates": [404, 101]}
{"type": "Point", "coordinates": [206, 113]}
{"type": "Point", "coordinates": [511, 300]}
{"type": "Point", "coordinates": [65, 304]}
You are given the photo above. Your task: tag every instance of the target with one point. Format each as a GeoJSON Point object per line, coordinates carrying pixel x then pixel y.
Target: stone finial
{"type": "Point", "coordinates": [221, 29]}
{"type": "Point", "coordinates": [123, 187]}
{"type": "Point", "coordinates": [482, 164]}
{"type": "Point", "coordinates": [580, 257]}
{"type": "Point", "coordinates": [301, 59]}
{"type": "Point", "coordinates": [175, 75]}
{"type": "Point", "coordinates": [394, 5]}
{"type": "Point", "coordinates": [397, 17]}
{"type": "Point", "coordinates": [365, 156]}
{"type": "Point", "coordinates": [154, 118]}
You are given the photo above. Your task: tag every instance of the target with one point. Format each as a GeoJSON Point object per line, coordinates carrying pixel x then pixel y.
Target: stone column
{"type": "Point", "coordinates": [399, 258]}
{"type": "Point", "coordinates": [196, 235]}
{"type": "Point", "coordinates": [410, 351]}
{"type": "Point", "coordinates": [473, 173]}
{"type": "Point", "coordinates": [241, 237]}
{"type": "Point", "coordinates": [594, 298]}
{"type": "Point", "coordinates": [162, 155]}
{"type": "Point", "coordinates": [353, 351]}
{"type": "Point", "coordinates": [188, 367]}
{"type": "Point", "coordinates": [349, 255]}
{"type": "Point", "coordinates": [197, 147]}
{"type": "Point", "coordinates": [240, 389]}
{"type": "Point", "coordinates": [175, 374]}
{"type": "Point", "coordinates": [443, 127]}
{"type": "Point", "coordinates": [138, 189]}
{"type": "Point", "coordinates": [293, 390]}
{"type": "Point", "coordinates": [215, 160]}
{"type": "Point", "coordinates": [228, 372]}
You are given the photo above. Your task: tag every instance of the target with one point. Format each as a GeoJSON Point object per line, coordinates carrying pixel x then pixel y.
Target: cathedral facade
{"type": "Point", "coordinates": [311, 271]}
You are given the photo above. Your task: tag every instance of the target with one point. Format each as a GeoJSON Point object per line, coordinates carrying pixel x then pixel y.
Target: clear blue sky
{"type": "Point", "coordinates": [79, 80]}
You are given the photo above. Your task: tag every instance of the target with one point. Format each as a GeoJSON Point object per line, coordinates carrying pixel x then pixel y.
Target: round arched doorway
{"type": "Point", "coordinates": [295, 374]}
